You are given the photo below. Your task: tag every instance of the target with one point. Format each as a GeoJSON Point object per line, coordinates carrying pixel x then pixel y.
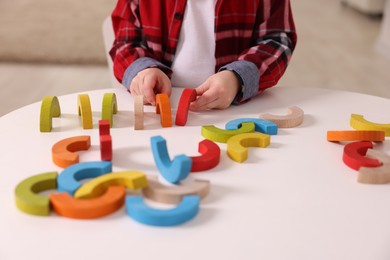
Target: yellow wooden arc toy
{"type": "Point", "coordinates": [85, 111]}
{"type": "Point", "coordinates": [293, 118]}
{"type": "Point", "coordinates": [27, 198]}
{"type": "Point", "coordinates": [237, 145]}
{"type": "Point", "coordinates": [50, 107]}
{"type": "Point", "coordinates": [138, 112]}
{"type": "Point", "coordinates": [359, 123]}
{"type": "Point", "coordinates": [109, 107]}
{"type": "Point", "coordinates": [376, 175]}
{"type": "Point", "coordinates": [222, 135]}
{"type": "Point", "coordinates": [96, 187]}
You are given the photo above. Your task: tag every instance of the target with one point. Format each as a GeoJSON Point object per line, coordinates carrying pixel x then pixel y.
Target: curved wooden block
{"type": "Point", "coordinates": [65, 205]}
{"type": "Point", "coordinates": [187, 96]}
{"type": "Point", "coordinates": [163, 107]}
{"type": "Point", "coordinates": [356, 135]}
{"type": "Point", "coordinates": [139, 112]}
{"type": "Point", "coordinates": [159, 192]}
{"type": "Point", "coordinates": [85, 111]}
{"type": "Point", "coordinates": [354, 155]}
{"type": "Point", "coordinates": [293, 118]}
{"type": "Point", "coordinates": [68, 179]}
{"type": "Point", "coordinates": [186, 210]}
{"type": "Point", "coordinates": [376, 175]}
{"type": "Point", "coordinates": [359, 123]}
{"type": "Point", "coordinates": [109, 107]}
{"type": "Point", "coordinates": [96, 187]}
{"type": "Point", "coordinates": [173, 171]}
{"type": "Point", "coordinates": [237, 145]}
{"type": "Point", "coordinates": [261, 125]}
{"type": "Point", "coordinates": [209, 158]}
{"type": "Point", "coordinates": [27, 198]}
{"type": "Point", "coordinates": [50, 107]}
{"type": "Point", "coordinates": [63, 152]}
{"type": "Point", "coordinates": [222, 135]}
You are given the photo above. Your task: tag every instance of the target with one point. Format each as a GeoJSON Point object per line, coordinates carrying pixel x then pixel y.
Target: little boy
{"type": "Point", "coordinates": [228, 50]}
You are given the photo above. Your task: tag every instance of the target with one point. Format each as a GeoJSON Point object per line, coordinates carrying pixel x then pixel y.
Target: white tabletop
{"type": "Point", "coordinates": [295, 199]}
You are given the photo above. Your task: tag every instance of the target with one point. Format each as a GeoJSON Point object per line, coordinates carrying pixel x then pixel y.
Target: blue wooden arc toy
{"type": "Point", "coordinates": [261, 125]}
{"type": "Point", "coordinates": [183, 212]}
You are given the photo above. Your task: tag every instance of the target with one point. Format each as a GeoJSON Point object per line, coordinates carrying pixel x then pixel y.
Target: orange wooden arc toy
{"type": "Point", "coordinates": [63, 152]}
{"type": "Point", "coordinates": [163, 107]}
{"type": "Point", "coordinates": [67, 206]}
{"type": "Point", "coordinates": [356, 135]}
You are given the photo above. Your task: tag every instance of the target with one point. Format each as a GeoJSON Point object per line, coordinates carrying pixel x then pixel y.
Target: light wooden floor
{"type": "Point", "coordinates": [335, 50]}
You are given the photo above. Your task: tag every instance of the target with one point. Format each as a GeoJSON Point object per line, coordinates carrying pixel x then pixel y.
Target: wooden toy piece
{"type": "Point", "coordinates": [27, 198]}
{"type": "Point", "coordinates": [173, 194]}
{"type": "Point", "coordinates": [96, 187]}
{"type": "Point", "coordinates": [163, 107]}
{"type": "Point", "coordinates": [68, 179]}
{"type": "Point", "coordinates": [210, 157]}
{"type": "Point", "coordinates": [359, 123]}
{"type": "Point", "coordinates": [237, 145]}
{"type": "Point", "coordinates": [105, 140]}
{"type": "Point", "coordinates": [354, 155]}
{"type": "Point", "coordinates": [187, 96]}
{"type": "Point", "coordinates": [85, 111]}
{"type": "Point", "coordinates": [356, 135]}
{"type": "Point", "coordinates": [65, 205]}
{"type": "Point", "coordinates": [63, 152]}
{"type": "Point", "coordinates": [50, 107]}
{"type": "Point", "coordinates": [186, 210]}
{"type": "Point", "coordinates": [222, 135]}
{"type": "Point", "coordinates": [376, 175]}
{"type": "Point", "coordinates": [109, 107]}
{"type": "Point", "coordinates": [261, 125]}
{"type": "Point", "coordinates": [104, 127]}
{"type": "Point", "coordinates": [139, 112]}
{"type": "Point", "coordinates": [173, 171]}
{"type": "Point", "coordinates": [293, 118]}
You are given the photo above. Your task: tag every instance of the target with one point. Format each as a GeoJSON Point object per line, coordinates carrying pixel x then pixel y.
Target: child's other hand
{"type": "Point", "coordinates": [217, 92]}
{"type": "Point", "coordinates": [148, 82]}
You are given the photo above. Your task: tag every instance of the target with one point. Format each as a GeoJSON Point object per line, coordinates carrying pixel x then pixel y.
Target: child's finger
{"type": "Point", "coordinates": [206, 101]}
{"type": "Point", "coordinates": [148, 86]}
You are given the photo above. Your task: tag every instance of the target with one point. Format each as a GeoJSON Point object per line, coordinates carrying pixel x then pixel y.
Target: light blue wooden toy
{"type": "Point", "coordinates": [261, 125]}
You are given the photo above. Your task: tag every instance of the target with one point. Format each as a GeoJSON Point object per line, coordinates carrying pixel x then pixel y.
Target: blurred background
{"type": "Point", "coordinates": [51, 47]}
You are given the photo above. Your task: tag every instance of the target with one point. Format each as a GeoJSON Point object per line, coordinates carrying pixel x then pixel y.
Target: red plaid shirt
{"type": "Point", "coordinates": [261, 32]}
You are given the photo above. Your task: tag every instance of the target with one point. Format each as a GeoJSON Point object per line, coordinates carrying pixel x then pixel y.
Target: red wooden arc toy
{"type": "Point", "coordinates": [187, 96]}
{"type": "Point", "coordinates": [210, 156]}
{"type": "Point", "coordinates": [354, 155]}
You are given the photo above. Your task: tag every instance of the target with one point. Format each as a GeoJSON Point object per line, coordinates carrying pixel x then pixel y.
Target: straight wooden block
{"type": "Point", "coordinates": [50, 107]}
{"type": "Point", "coordinates": [293, 118]}
{"type": "Point", "coordinates": [237, 145]}
{"type": "Point", "coordinates": [104, 127]}
{"type": "Point", "coordinates": [85, 111]}
{"type": "Point", "coordinates": [139, 112]}
{"type": "Point", "coordinates": [358, 122]}
{"type": "Point", "coordinates": [63, 152]}
{"type": "Point", "coordinates": [163, 107]}
{"type": "Point", "coordinates": [356, 135]}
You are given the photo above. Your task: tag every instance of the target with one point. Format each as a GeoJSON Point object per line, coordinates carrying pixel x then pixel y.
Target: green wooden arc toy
{"type": "Point", "coordinates": [109, 107]}
{"type": "Point", "coordinates": [26, 197]}
{"type": "Point", "coordinates": [222, 135]}
{"type": "Point", "coordinates": [50, 107]}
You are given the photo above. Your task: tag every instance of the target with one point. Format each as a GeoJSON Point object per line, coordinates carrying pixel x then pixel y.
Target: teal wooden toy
{"type": "Point", "coordinates": [261, 125]}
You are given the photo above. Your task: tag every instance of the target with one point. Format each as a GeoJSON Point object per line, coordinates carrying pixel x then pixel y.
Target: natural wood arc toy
{"type": "Point", "coordinates": [354, 155]}
{"type": "Point", "coordinates": [105, 140]}
{"type": "Point", "coordinates": [50, 107]}
{"type": "Point", "coordinates": [111, 200]}
{"type": "Point", "coordinates": [237, 145]}
{"type": "Point", "coordinates": [133, 180]}
{"type": "Point", "coordinates": [163, 107]}
{"type": "Point", "coordinates": [69, 179]}
{"type": "Point", "coordinates": [27, 198]}
{"type": "Point", "coordinates": [186, 210]}
{"type": "Point", "coordinates": [222, 135]}
{"type": "Point", "coordinates": [293, 118]}
{"type": "Point", "coordinates": [359, 123]}
{"type": "Point", "coordinates": [261, 125]}
{"type": "Point", "coordinates": [187, 96]}
{"type": "Point", "coordinates": [174, 170]}
{"type": "Point", "coordinates": [63, 152]}
{"type": "Point", "coordinates": [173, 194]}
{"type": "Point", "coordinates": [355, 135]}
{"type": "Point", "coordinates": [85, 111]}
{"type": "Point", "coordinates": [139, 112]}
{"type": "Point", "coordinates": [109, 107]}
{"type": "Point", "coordinates": [209, 158]}
{"type": "Point", "coordinates": [376, 175]}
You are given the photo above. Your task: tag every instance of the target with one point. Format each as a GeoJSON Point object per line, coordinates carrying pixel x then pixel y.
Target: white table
{"type": "Point", "coordinates": [295, 199]}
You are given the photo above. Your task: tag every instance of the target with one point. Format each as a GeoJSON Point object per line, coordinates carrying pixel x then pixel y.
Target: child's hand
{"type": "Point", "coordinates": [217, 92]}
{"type": "Point", "coordinates": [148, 82]}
